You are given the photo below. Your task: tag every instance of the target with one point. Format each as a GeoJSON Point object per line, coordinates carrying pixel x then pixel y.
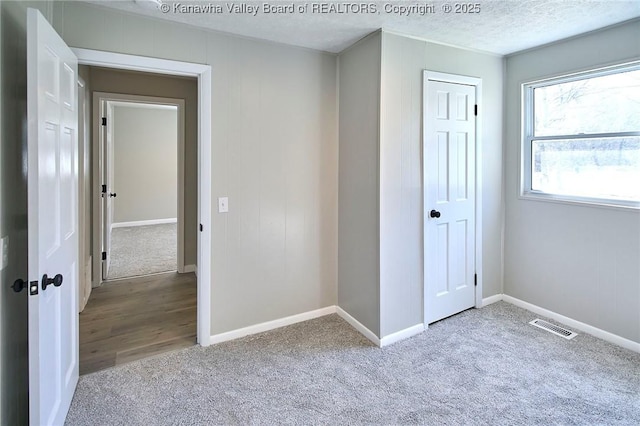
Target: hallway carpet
{"type": "Point", "coordinates": [481, 367]}
{"type": "Point", "coordinates": [143, 250]}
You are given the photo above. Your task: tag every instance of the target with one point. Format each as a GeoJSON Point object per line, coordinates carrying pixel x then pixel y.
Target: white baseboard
{"type": "Point", "coordinates": [270, 325]}
{"type": "Point", "coordinates": [282, 322]}
{"type": "Point", "coordinates": [586, 328]}
{"type": "Point", "coordinates": [491, 299]}
{"type": "Point", "coordinates": [190, 268]}
{"type": "Point", "coordinates": [401, 335]}
{"type": "Point", "coordinates": [144, 222]}
{"type": "Point", "coordinates": [358, 326]}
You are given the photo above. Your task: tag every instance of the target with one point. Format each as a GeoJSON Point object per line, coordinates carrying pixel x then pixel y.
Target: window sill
{"type": "Point", "coordinates": [628, 206]}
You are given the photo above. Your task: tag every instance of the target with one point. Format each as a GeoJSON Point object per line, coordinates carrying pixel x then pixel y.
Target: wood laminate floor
{"type": "Point", "coordinates": [129, 319]}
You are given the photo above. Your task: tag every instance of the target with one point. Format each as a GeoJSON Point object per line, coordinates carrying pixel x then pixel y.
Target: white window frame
{"type": "Point", "coordinates": [528, 111]}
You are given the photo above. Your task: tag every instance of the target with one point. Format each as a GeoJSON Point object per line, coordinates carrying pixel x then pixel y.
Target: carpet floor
{"type": "Point", "coordinates": [143, 250]}
{"type": "Point", "coordinates": [486, 366]}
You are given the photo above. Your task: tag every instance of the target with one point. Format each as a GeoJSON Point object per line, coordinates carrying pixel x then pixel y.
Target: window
{"type": "Point", "coordinates": [582, 138]}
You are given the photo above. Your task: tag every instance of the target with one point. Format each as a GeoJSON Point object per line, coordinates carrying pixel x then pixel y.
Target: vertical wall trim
{"type": "Point", "coordinates": [503, 201]}
{"type": "Point", "coordinates": [205, 208]}
{"type": "Point", "coordinates": [379, 174]}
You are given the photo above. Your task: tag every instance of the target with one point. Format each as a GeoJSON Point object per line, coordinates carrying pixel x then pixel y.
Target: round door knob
{"type": "Point", "coordinates": [18, 285]}
{"type": "Point", "coordinates": [56, 281]}
{"type": "Point", "coordinates": [434, 213]}
{"type": "Point", "coordinates": [113, 194]}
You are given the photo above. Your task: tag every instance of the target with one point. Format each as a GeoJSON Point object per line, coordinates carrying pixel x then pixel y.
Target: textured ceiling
{"type": "Point", "coordinates": [500, 26]}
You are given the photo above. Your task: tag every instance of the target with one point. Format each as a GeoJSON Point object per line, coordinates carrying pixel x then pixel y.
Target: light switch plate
{"type": "Point", "coordinates": [223, 204]}
{"type": "Point", "coordinates": [4, 252]}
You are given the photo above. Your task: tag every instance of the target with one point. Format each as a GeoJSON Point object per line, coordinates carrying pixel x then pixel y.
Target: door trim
{"type": "Point", "coordinates": [477, 83]}
{"type": "Point", "coordinates": [84, 185]}
{"type": "Point", "coordinates": [98, 99]}
{"type": "Point", "coordinates": [204, 75]}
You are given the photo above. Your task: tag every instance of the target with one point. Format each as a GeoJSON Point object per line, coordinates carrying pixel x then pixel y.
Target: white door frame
{"type": "Point", "coordinates": [204, 75]}
{"type": "Point", "coordinates": [98, 99]}
{"type": "Point", "coordinates": [84, 276]}
{"type": "Point", "coordinates": [477, 83]}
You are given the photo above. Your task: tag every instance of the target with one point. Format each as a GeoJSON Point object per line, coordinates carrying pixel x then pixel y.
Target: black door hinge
{"type": "Point", "coordinates": [201, 227]}
{"type": "Point", "coordinates": [475, 280]}
{"type": "Point", "coordinates": [475, 110]}
{"type": "Point", "coordinates": [104, 255]}
{"type": "Point", "coordinates": [104, 121]}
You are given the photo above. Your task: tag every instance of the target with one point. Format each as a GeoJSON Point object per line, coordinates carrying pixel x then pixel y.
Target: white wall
{"type": "Point", "coordinates": [579, 261]}
{"type": "Point", "coordinates": [145, 142]}
{"type": "Point", "coordinates": [359, 243]}
{"type": "Point", "coordinates": [274, 154]}
{"type": "Point", "coordinates": [401, 232]}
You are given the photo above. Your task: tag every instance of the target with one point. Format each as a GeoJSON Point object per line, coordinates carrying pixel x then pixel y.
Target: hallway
{"type": "Point", "coordinates": [130, 319]}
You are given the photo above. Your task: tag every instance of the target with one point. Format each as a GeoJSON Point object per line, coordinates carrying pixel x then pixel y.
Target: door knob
{"type": "Point", "coordinates": [18, 285]}
{"type": "Point", "coordinates": [434, 213]}
{"type": "Point", "coordinates": [112, 194]}
{"type": "Point", "coordinates": [56, 281]}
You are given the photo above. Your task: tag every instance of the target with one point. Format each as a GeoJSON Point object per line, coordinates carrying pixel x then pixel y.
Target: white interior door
{"type": "Point", "coordinates": [108, 193]}
{"type": "Point", "coordinates": [449, 198]}
{"type": "Point", "coordinates": [53, 222]}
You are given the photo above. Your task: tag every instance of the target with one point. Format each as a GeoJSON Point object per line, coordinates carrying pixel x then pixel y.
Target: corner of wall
{"type": "Point", "coordinates": [358, 242]}
{"type": "Point", "coordinates": [503, 206]}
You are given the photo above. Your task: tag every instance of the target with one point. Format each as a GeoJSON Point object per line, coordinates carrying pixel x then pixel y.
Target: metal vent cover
{"type": "Point", "coordinates": [552, 328]}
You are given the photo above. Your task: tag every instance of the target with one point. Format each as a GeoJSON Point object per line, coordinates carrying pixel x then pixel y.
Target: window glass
{"type": "Point", "coordinates": [581, 138]}
{"type": "Point", "coordinates": [605, 104]}
{"type": "Point", "coordinates": [596, 168]}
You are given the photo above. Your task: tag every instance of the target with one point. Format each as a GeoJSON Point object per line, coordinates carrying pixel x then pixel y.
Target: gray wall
{"type": "Point", "coordinates": [359, 243]}
{"type": "Point", "coordinates": [274, 154]}
{"type": "Point", "coordinates": [380, 236]}
{"type": "Point", "coordinates": [2, 231]}
{"type": "Point", "coordinates": [13, 215]}
{"type": "Point", "coordinates": [401, 251]}
{"type": "Point", "coordinates": [579, 261]}
{"type": "Point", "coordinates": [3, 391]}
{"type": "Point", "coordinates": [144, 84]}
{"type": "Point", "coordinates": [145, 144]}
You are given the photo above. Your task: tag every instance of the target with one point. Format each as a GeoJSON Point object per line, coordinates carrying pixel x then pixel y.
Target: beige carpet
{"type": "Point", "coordinates": [483, 367]}
{"type": "Point", "coordinates": [143, 250]}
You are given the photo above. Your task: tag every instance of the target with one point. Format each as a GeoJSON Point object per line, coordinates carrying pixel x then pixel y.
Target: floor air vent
{"type": "Point", "coordinates": [552, 328]}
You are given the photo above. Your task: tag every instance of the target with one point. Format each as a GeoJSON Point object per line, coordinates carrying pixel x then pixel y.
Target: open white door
{"type": "Point", "coordinates": [52, 222]}
{"type": "Point", "coordinates": [107, 152]}
{"type": "Point", "coordinates": [449, 198]}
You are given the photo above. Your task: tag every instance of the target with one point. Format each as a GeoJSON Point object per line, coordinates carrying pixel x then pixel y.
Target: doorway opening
{"type": "Point", "coordinates": [141, 166]}
{"type": "Point", "coordinates": [147, 302]}
{"type": "Point", "coordinates": [146, 312]}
